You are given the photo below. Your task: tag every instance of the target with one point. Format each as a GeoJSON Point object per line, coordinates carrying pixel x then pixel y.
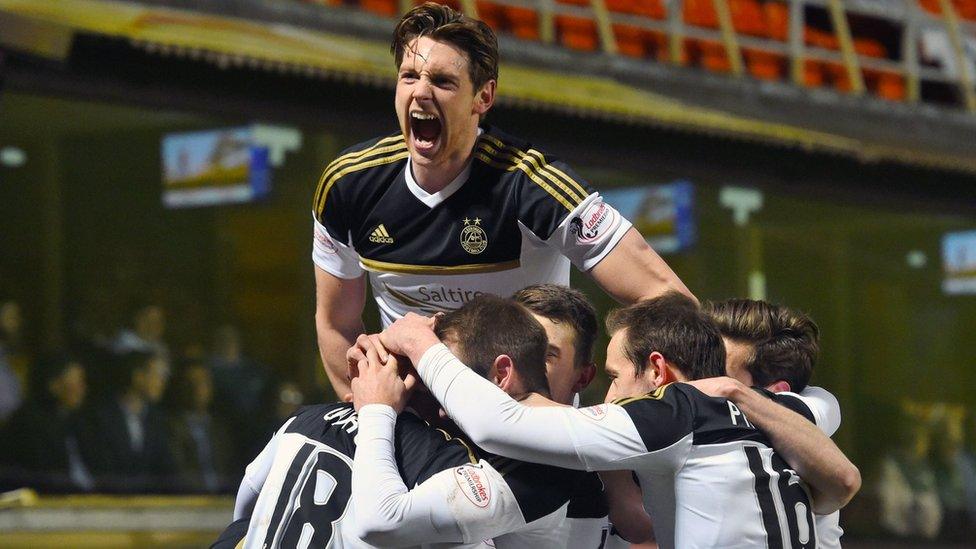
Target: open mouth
{"type": "Point", "coordinates": [425, 128]}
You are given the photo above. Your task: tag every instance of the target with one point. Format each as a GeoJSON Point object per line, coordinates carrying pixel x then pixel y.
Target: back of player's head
{"type": "Point", "coordinates": [489, 326]}
{"type": "Point", "coordinates": [562, 304]}
{"type": "Point", "coordinates": [673, 325]}
{"type": "Point", "coordinates": [785, 343]}
{"type": "Point", "coordinates": [441, 23]}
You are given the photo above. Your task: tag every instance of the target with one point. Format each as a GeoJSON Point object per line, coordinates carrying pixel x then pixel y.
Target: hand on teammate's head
{"type": "Point", "coordinates": [379, 382]}
{"type": "Point", "coordinates": [410, 336]}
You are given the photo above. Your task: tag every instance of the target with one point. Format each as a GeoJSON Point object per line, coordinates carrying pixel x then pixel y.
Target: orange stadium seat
{"type": "Point", "coordinates": [870, 48]}
{"type": "Point", "coordinates": [964, 8]}
{"type": "Point", "coordinates": [765, 65]}
{"type": "Point", "coordinates": [700, 13]}
{"type": "Point", "coordinates": [577, 33]}
{"type": "Point", "coordinates": [386, 8]}
{"type": "Point", "coordinates": [522, 22]}
{"type": "Point", "coordinates": [630, 40]}
{"type": "Point", "coordinates": [713, 57]}
{"type": "Point", "coordinates": [885, 84]}
{"type": "Point", "coordinates": [748, 17]}
{"type": "Point", "coordinates": [492, 14]}
{"type": "Point", "coordinates": [777, 16]}
{"type": "Point", "coordinates": [813, 74]}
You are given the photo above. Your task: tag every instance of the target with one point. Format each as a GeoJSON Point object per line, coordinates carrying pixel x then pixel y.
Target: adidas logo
{"type": "Point", "coordinates": [380, 236]}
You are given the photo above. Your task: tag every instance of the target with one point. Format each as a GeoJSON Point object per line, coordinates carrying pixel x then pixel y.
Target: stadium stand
{"type": "Point", "coordinates": [874, 49]}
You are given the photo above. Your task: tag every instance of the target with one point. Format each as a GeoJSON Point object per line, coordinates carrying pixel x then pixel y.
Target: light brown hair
{"type": "Point", "coordinates": [785, 343]}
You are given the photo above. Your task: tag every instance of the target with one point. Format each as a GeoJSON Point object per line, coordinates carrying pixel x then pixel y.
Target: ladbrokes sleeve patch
{"type": "Point", "coordinates": [474, 484]}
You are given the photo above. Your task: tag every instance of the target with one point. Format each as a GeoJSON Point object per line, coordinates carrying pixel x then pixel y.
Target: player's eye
{"type": "Point", "coordinates": [408, 76]}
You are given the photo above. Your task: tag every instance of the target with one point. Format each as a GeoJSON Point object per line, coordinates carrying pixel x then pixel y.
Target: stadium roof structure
{"type": "Point", "coordinates": [350, 45]}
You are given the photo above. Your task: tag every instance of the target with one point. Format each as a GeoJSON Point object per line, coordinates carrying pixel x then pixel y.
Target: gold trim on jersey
{"type": "Point", "coordinates": [447, 436]}
{"type": "Point", "coordinates": [656, 394]}
{"type": "Point", "coordinates": [386, 150]}
{"type": "Point", "coordinates": [383, 266]}
{"type": "Point", "coordinates": [534, 164]}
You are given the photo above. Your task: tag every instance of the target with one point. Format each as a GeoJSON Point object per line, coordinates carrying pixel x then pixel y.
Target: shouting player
{"type": "Point", "coordinates": [448, 207]}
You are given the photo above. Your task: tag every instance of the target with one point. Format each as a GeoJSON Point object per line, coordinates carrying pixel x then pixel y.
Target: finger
{"type": "Point", "coordinates": [373, 357]}
{"type": "Point", "coordinates": [347, 397]}
{"type": "Point", "coordinates": [380, 348]}
{"type": "Point", "coordinates": [364, 342]}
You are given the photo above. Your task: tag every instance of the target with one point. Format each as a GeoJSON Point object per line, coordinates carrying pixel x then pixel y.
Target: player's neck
{"type": "Point", "coordinates": [433, 177]}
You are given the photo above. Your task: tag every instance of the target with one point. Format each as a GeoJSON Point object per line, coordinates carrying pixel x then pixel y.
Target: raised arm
{"type": "Point", "coordinates": [339, 306]}
{"type": "Point", "coordinates": [633, 271]}
{"type": "Point", "coordinates": [564, 437]}
{"type": "Point", "coordinates": [832, 478]}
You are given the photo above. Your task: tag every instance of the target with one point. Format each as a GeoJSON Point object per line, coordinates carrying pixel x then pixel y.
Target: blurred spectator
{"type": "Point", "coordinates": [955, 471]}
{"type": "Point", "coordinates": [239, 382]}
{"type": "Point", "coordinates": [134, 453]}
{"type": "Point", "coordinates": [11, 391]}
{"type": "Point", "coordinates": [13, 359]}
{"type": "Point", "coordinates": [148, 327]}
{"type": "Point", "coordinates": [909, 499]}
{"type": "Point", "coordinates": [200, 440]}
{"type": "Point", "coordinates": [286, 399]}
{"type": "Point", "coordinates": [49, 440]}
{"type": "Point", "coordinates": [13, 343]}
{"type": "Point", "coordinates": [240, 394]}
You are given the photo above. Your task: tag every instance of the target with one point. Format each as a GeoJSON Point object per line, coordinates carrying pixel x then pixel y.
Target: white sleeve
{"type": "Point", "coordinates": [462, 504]}
{"type": "Point", "coordinates": [824, 407]}
{"type": "Point", "coordinates": [255, 475]}
{"type": "Point", "coordinates": [332, 256]}
{"type": "Point", "coordinates": [594, 438]}
{"type": "Point", "coordinates": [589, 232]}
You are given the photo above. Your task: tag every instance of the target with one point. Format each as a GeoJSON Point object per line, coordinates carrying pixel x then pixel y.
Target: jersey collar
{"type": "Point", "coordinates": [431, 200]}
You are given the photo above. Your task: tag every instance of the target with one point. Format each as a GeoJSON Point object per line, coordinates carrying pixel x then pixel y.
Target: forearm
{"type": "Point", "coordinates": [387, 513]}
{"type": "Point", "coordinates": [832, 478]}
{"type": "Point", "coordinates": [333, 343]}
{"type": "Point", "coordinates": [627, 512]}
{"type": "Point", "coordinates": [633, 271]}
{"type": "Point", "coordinates": [559, 436]}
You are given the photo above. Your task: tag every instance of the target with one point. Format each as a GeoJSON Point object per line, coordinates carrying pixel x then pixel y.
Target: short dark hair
{"type": "Point", "coordinates": [562, 304]}
{"type": "Point", "coordinates": [441, 23]}
{"type": "Point", "coordinates": [489, 326]}
{"type": "Point", "coordinates": [785, 342]}
{"type": "Point", "coordinates": [673, 325]}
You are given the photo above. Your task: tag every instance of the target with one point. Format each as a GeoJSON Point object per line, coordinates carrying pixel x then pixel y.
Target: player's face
{"type": "Point", "coordinates": [560, 358]}
{"type": "Point", "coordinates": [437, 105]}
{"type": "Point", "coordinates": [737, 356]}
{"type": "Point", "coordinates": [624, 381]}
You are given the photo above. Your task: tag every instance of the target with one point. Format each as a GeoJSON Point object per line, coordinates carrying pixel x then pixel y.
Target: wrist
{"type": "Point", "coordinates": [420, 345]}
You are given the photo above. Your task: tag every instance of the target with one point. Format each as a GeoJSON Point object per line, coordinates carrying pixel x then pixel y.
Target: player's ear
{"type": "Point", "coordinates": [585, 376]}
{"type": "Point", "coordinates": [504, 371]}
{"type": "Point", "coordinates": [485, 98]}
{"type": "Point", "coordinates": [657, 369]}
{"type": "Point", "coordinates": [780, 386]}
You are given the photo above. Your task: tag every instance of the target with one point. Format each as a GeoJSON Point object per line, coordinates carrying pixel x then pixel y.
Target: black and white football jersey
{"type": "Point", "coordinates": [709, 477]}
{"type": "Point", "coordinates": [514, 217]}
{"type": "Point", "coordinates": [298, 488]}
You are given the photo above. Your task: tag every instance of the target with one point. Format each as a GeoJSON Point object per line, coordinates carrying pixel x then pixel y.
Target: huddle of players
{"type": "Point", "coordinates": [738, 468]}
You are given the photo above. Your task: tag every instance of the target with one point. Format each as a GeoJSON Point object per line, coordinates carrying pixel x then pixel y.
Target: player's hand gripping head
{"type": "Point", "coordinates": [379, 380]}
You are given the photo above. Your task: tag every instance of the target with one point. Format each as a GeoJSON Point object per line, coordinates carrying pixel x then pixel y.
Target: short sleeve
{"type": "Point", "coordinates": [662, 417]}
{"type": "Point", "coordinates": [823, 406]}
{"type": "Point", "coordinates": [331, 249]}
{"type": "Point", "coordinates": [562, 210]}
{"type": "Point", "coordinates": [332, 256]}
